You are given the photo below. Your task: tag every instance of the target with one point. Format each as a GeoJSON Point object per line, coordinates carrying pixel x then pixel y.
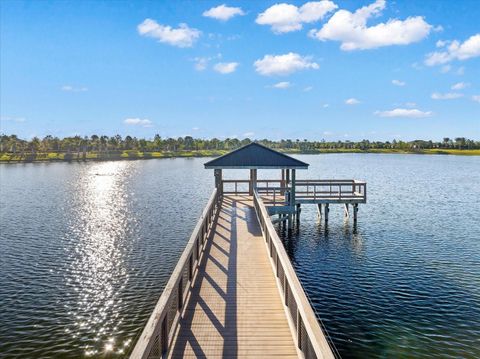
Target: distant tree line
{"type": "Point", "coordinates": [77, 144]}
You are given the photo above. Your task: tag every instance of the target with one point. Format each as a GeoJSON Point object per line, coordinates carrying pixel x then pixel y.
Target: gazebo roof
{"type": "Point", "coordinates": [254, 156]}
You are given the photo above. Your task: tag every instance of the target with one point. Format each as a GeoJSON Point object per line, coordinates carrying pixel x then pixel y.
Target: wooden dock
{"type": "Point", "coordinates": [234, 309]}
{"type": "Point", "coordinates": [233, 293]}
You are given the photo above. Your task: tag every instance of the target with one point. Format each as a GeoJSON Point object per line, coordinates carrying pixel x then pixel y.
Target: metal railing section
{"type": "Point", "coordinates": [309, 336]}
{"type": "Point", "coordinates": [157, 335]}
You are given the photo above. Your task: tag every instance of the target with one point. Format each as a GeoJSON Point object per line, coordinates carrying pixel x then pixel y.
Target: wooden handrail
{"type": "Point", "coordinates": [157, 335]}
{"type": "Point", "coordinates": [303, 319]}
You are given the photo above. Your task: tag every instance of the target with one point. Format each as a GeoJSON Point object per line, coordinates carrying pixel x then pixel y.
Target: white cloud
{"type": "Point", "coordinates": [69, 88]}
{"type": "Point", "coordinates": [225, 67]}
{"type": "Point", "coordinates": [284, 64]}
{"type": "Point", "coordinates": [446, 96]}
{"type": "Point", "coordinates": [352, 101]}
{"type": "Point", "coordinates": [411, 104]}
{"type": "Point", "coordinates": [460, 86]}
{"type": "Point", "coordinates": [461, 70]}
{"type": "Point", "coordinates": [200, 63]}
{"type": "Point", "coordinates": [441, 43]}
{"type": "Point", "coordinates": [455, 51]}
{"type": "Point", "coordinates": [404, 112]}
{"type": "Point", "coordinates": [282, 85]}
{"type": "Point", "coordinates": [398, 83]}
{"type": "Point", "coordinates": [183, 36]}
{"type": "Point", "coordinates": [249, 134]}
{"type": "Point", "coordinates": [138, 122]}
{"type": "Point", "coordinates": [223, 12]}
{"type": "Point", "coordinates": [476, 98]}
{"type": "Point", "coordinates": [195, 128]}
{"type": "Point", "coordinates": [352, 30]}
{"type": "Point", "coordinates": [286, 17]}
{"type": "Point", "coordinates": [308, 89]}
{"type": "Point", "coordinates": [325, 105]}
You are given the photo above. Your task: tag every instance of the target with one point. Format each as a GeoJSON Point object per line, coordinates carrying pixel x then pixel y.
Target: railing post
{"type": "Point", "coordinates": [164, 336]}
{"type": "Point", "coordinates": [180, 294]}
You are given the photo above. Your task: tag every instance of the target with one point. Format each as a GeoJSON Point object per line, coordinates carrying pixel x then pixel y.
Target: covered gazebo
{"type": "Point", "coordinates": [253, 157]}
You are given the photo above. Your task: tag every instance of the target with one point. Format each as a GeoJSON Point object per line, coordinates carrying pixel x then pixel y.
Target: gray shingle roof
{"type": "Point", "coordinates": [255, 155]}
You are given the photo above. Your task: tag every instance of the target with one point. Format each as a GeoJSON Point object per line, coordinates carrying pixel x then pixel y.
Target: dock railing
{"type": "Point", "coordinates": [156, 337]}
{"type": "Point", "coordinates": [308, 334]}
{"type": "Point", "coordinates": [340, 190]}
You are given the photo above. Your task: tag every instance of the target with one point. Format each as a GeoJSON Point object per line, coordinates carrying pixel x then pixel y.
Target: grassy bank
{"type": "Point", "coordinates": [134, 155]}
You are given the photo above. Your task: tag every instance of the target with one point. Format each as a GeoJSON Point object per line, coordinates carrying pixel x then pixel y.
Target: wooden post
{"type": "Point", "coordinates": [253, 181]}
{"type": "Point", "coordinates": [292, 199]}
{"type": "Point", "coordinates": [327, 209]}
{"type": "Point", "coordinates": [218, 180]}
{"type": "Point", "coordinates": [346, 210]}
{"type": "Point", "coordinates": [292, 195]}
{"type": "Point", "coordinates": [319, 210]}
{"type": "Point", "coordinates": [355, 211]}
{"type": "Point", "coordinates": [282, 183]}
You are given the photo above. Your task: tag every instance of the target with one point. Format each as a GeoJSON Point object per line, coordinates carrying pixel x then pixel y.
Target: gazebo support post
{"type": "Point", "coordinates": [253, 181]}
{"type": "Point", "coordinates": [292, 199]}
{"type": "Point", "coordinates": [218, 181]}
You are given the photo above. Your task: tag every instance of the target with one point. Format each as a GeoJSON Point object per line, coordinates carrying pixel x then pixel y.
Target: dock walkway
{"type": "Point", "coordinates": [235, 308]}
{"type": "Point", "coordinates": [233, 293]}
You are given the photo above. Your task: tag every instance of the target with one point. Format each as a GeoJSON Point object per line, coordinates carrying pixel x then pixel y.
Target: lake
{"type": "Point", "coordinates": [86, 248]}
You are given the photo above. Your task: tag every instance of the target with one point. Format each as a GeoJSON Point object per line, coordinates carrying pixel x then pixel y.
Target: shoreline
{"type": "Point", "coordinates": [136, 155]}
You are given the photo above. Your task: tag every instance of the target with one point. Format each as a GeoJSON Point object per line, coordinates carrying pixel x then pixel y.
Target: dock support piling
{"type": "Point", "coordinates": [319, 210]}
{"type": "Point", "coordinates": [346, 210]}
{"type": "Point", "coordinates": [355, 213]}
{"type": "Point", "coordinates": [327, 209]}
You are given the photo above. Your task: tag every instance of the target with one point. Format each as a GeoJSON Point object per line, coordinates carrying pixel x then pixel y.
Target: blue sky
{"type": "Point", "coordinates": [338, 70]}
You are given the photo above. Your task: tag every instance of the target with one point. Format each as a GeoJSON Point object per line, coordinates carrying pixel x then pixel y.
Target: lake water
{"type": "Point", "coordinates": [86, 248]}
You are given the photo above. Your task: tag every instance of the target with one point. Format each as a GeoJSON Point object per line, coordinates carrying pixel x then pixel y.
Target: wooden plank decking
{"type": "Point", "coordinates": [234, 308]}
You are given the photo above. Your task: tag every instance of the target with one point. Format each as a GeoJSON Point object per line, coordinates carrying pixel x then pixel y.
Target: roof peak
{"type": "Point", "coordinates": [255, 155]}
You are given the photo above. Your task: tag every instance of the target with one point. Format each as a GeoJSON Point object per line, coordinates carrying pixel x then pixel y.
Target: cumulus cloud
{"type": "Point", "coordinates": [225, 67]}
{"type": "Point", "coordinates": [352, 101]}
{"type": "Point", "coordinates": [286, 17]}
{"type": "Point", "coordinates": [446, 96]}
{"type": "Point", "coordinates": [352, 31]}
{"type": "Point", "coordinates": [183, 36]}
{"type": "Point", "coordinates": [282, 85]}
{"type": "Point", "coordinates": [223, 12]}
{"type": "Point", "coordinates": [455, 51]}
{"type": "Point", "coordinates": [138, 122]}
{"type": "Point", "coordinates": [460, 86]}
{"type": "Point", "coordinates": [69, 88]}
{"type": "Point", "coordinates": [398, 83]}
{"type": "Point", "coordinates": [249, 134]}
{"type": "Point", "coordinates": [404, 112]}
{"type": "Point", "coordinates": [283, 64]}
{"type": "Point", "coordinates": [476, 98]}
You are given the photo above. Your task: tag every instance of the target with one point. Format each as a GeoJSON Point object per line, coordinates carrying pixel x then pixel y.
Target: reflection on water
{"type": "Point", "coordinates": [99, 226]}
{"type": "Point", "coordinates": [86, 249]}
